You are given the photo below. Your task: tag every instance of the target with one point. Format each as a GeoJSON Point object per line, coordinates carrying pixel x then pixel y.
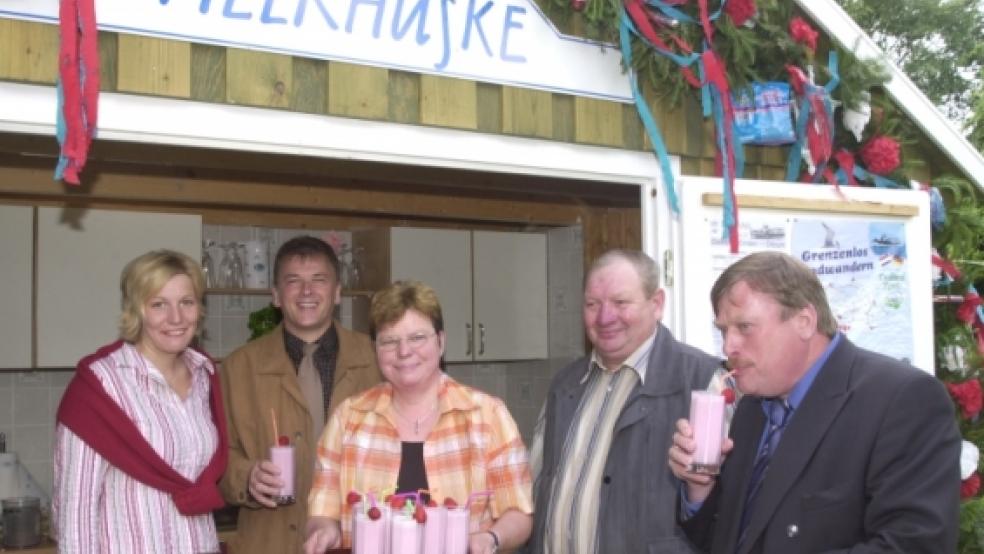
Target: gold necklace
{"type": "Point", "coordinates": [417, 420]}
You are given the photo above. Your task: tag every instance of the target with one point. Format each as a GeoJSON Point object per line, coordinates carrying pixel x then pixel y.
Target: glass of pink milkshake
{"type": "Point", "coordinates": [368, 534]}
{"type": "Point", "coordinates": [282, 456]}
{"type": "Point", "coordinates": [405, 536]}
{"type": "Point", "coordinates": [456, 533]}
{"type": "Point", "coordinates": [435, 529]}
{"type": "Point", "coordinates": [707, 422]}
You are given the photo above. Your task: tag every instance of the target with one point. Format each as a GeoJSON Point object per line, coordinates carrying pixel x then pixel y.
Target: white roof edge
{"type": "Point", "coordinates": [842, 28]}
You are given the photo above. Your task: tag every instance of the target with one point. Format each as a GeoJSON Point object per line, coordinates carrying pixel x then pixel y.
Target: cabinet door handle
{"type": "Point", "coordinates": [470, 344]}
{"type": "Point", "coordinates": [481, 339]}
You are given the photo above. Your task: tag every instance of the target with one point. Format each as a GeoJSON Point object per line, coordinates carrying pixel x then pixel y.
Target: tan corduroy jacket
{"type": "Point", "coordinates": [257, 378]}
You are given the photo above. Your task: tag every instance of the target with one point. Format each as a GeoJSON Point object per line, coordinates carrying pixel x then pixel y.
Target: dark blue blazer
{"type": "Point", "coordinates": [868, 463]}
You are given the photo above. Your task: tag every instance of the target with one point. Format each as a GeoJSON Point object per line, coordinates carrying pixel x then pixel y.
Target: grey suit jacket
{"type": "Point", "coordinates": [868, 463]}
{"type": "Point", "coordinates": [637, 512]}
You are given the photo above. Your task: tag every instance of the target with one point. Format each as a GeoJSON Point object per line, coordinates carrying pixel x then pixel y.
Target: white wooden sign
{"type": "Point", "coordinates": [509, 42]}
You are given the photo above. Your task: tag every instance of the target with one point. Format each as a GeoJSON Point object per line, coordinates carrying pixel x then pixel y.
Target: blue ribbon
{"type": "Point", "coordinates": [652, 130]}
{"type": "Point", "coordinates": [60, 131]}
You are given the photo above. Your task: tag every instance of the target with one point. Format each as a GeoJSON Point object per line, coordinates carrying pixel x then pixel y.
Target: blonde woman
{"type": "Point", "coordinates": [140, 443]}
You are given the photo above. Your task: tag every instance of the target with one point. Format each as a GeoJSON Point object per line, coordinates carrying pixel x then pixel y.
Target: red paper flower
{"type": "Point", "coordinates": [802, 33]}
{"type": "Point", "coordinates": [970, 486]}
{"type": "Point", "coordinates": [740, 11]}
{"type": "Point", "coordinates": [881, 155]}
{"type": "Point", "coordinates": [968, 396]}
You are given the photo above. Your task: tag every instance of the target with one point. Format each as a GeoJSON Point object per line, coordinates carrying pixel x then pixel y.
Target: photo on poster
{"type": "Point", "coordinates": [864, 268]}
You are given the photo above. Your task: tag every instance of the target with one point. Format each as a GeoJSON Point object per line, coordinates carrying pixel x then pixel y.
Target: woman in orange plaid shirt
{"type": "Point", "coordinates": [420, 429]}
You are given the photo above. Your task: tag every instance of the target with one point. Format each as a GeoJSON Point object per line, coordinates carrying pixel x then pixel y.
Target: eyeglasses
{"type": "Point", "coordinates": [414, 341]}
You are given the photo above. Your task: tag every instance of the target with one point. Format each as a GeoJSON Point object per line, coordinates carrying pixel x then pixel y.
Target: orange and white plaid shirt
{"type": "Point", "coordinates": [474, 446]}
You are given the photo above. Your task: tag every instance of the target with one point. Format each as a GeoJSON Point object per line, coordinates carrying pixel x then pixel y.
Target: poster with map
{"type": "Point", "coordinates": [864, 267]}
{"type": "Point", "coordinates": [869, 247]}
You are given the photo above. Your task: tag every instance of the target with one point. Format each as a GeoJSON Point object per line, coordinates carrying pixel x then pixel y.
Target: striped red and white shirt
{"type": "Point", "coordinates": [96, 508]}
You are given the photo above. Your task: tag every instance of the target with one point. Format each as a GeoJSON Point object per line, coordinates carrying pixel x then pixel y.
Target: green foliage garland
{"type": "Point", "coordinates": [961, 240]}
{"type": "Point", "coordinates": [756, 51]}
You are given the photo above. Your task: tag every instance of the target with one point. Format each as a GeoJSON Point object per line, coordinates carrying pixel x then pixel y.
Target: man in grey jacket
{"type": "Point", "coordinates": [603, 484]}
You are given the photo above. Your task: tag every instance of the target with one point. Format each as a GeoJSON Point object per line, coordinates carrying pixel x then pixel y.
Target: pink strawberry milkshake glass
{"type": "Point", "coordinates": [368, 535]}
{"type": "Point", "coordinates": [435, 529]}
{"type": "Point", "coordinates": [405, 535]}
{"type": "Point", "coordinates": [282, 456]}
{"type": "Point", "coordinates": [707, 422]}
{"type": "Point", "coordinates": [456, 535]}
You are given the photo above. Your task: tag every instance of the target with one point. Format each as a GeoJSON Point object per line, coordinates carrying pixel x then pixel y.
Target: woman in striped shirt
{"type": "Point", "coordinates": [140, 442]}
{"type": "Point", "coordinates": [420, 429]}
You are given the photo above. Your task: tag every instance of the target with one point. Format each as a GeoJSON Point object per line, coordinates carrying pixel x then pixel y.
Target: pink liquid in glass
{"type": "Point", "coordinates": [368, 536]}
{"type": "Point", "coordinates": [283, 458]}
{"type": "Point", "coordinates": [456, 537]}
{"type": "Point", "coordinates": [707, 422]}
{"type": "Point", "coordinates": [435, 529]}
{"type": "Point", "coordinates": [405, 535]}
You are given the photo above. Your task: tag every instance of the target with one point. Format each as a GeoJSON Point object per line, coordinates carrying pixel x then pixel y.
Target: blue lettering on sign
{"type": "Point", "coordinates": [227, 12]}
{"type": "Point", "coordinates": [446, 48]}
{"type": "Point", "coordinates": [299, 14]}
{"type": "Point", "coordinates": [510, 24]}
{"type": "Point", "coordinates": [379, 4]}
{"type": "Point", "coordinates": [266, 18]}
{"type": "Point", "coordinates": [419, 12]}
{"type": "Point", "coordinates": [512, 21]}
{"type": "Point", "coordinates": [474, 18]}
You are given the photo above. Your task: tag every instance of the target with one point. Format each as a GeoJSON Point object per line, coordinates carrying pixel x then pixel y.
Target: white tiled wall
{"type": "Point", "coordinates": [28, 402]}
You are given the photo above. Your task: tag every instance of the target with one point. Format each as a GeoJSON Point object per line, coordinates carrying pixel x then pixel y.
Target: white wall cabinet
{"type": "Point", "coordinates": [492, 285]}
{"type": "Point", "coordinates": [80, 255]}
{"type": "Point", "coordinates": [17, 276]}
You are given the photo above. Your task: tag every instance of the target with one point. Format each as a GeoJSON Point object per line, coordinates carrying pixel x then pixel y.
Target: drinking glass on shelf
{"type": "Point", "coordinates": [208, 265]}
{"type": "Point", "coordinates": [237, 272]}
{"type": "Point", "coordinates": [225, 267]}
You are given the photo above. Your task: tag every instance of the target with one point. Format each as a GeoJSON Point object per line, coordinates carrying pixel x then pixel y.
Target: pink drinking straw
{"type": "Point", "coordinates": [408, 507]}
{"type": "Point", "coordinates": [372, 501]}
{"type": "Point", "coordinates": [431, 492]}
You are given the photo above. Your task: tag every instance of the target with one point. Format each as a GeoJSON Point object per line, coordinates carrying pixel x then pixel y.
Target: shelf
{"type": "Point", "coordinates": [266, 292]}
{"type": "Point", "coordinates": [237, 291]}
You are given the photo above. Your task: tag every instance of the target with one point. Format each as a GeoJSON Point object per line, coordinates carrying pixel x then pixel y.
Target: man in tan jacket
{"type": "Point", "coordinates": [295, 374]}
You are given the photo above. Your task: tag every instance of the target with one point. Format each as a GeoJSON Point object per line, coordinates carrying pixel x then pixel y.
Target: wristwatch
{"type": "Point", "coordinates": [495, 541]}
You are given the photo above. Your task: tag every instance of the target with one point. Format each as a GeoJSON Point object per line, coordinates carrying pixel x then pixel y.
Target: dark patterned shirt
{"type": "Point", "coordinates": [324, 359]}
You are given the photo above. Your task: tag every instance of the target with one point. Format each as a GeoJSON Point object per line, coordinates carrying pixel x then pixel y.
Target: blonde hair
{"type": "Point", "coordinates": [146, 275]}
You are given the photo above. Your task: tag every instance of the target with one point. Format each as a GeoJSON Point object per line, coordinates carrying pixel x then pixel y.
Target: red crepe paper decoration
{"type": "Point", "coordinates": [740, 11]}
{"type": "Point", "coordinates": [802, 33]}
{"type": "Point", "coordinates": [881, 155]}
{"type": "Point", "coordinates": [969, 397]}
{"type": "Point", "coordinates": [970, 486]}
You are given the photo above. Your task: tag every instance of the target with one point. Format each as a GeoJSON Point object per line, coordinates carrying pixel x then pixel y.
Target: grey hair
{"type": "Point", "coordinates": [646, 267]}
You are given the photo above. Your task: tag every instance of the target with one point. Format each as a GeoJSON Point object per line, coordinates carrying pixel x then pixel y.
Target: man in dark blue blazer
{"type": "Point", "coordinates": [861, 453]}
